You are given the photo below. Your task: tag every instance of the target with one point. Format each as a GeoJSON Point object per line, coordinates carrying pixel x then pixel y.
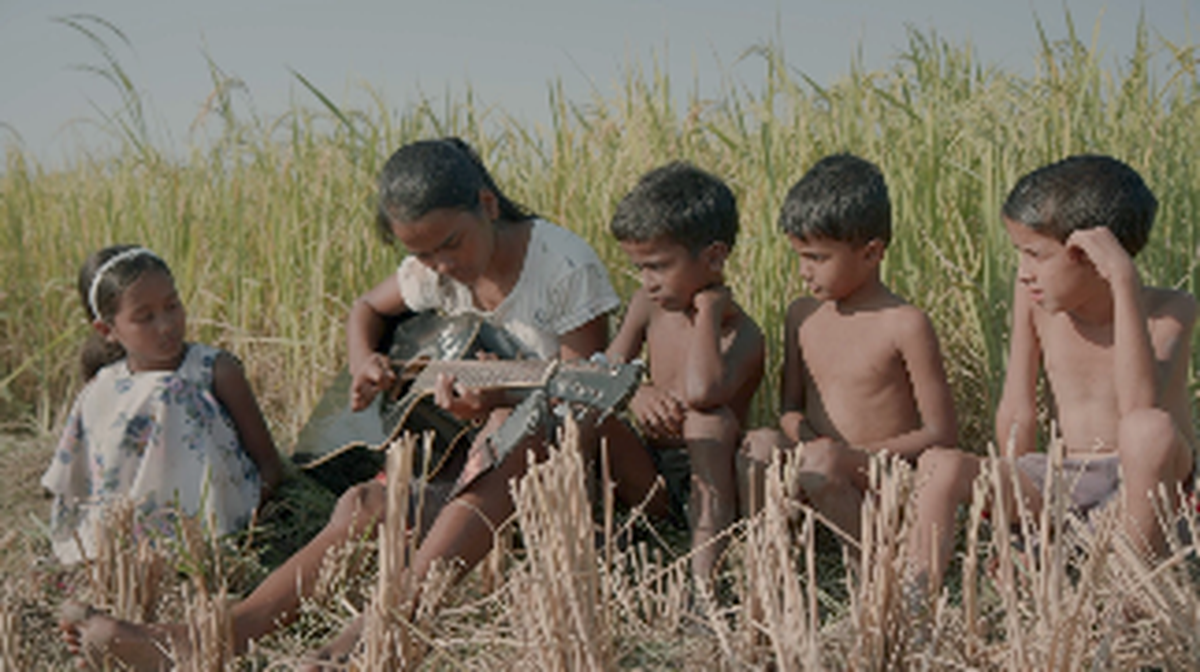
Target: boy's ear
{"type": "Point", "coordinates": [714, 256]}
{"type": "Point", "coordinates": [489, 204]}
{"type": "Point", "coordinates": [873, 250]}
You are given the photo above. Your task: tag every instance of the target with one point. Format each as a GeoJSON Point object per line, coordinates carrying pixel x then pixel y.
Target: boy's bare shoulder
{"type": "Point", "coordinates": [801, 307]}
{"type": "Point", "coordinates": [906, 315]}
{"type": "Point", "coordinates": [897, 313]}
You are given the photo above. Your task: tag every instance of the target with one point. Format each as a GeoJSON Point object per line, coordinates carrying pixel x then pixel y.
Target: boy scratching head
{"type": "Point", "coordinates": [1053, 211]}
{"type": "Point", "coordinates": [838, 219]}
{"type": "Point", "coordinates": [1084, 192]}
{"type": "Point", "coordinates": [677, 225]}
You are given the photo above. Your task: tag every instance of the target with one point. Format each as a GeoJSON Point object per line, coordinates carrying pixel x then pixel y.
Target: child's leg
{"type": "Point", "coordinates": [833, 478]}
{"type": "Point", "coordinates": [633, 469]}
{"type": "Point", "coordinates": [757, 449]}
{"type": "Point", "coordinates": [711, 438]}
{"type": "Point", "coordinates": [945, 479]}
{"type": "Point", "coordinates": [1152, 455]}
{"type": "Point", "coordinates": [272, 604]}
{"type": "Point", "coordinates": [463, 532]}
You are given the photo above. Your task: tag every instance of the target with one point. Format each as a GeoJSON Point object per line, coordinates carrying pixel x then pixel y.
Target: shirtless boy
{"type": "Point", "coordinates": [862, 370]}
{"type": "Point", "coordinates": [1114, 353]}
{"type": "Point", "coordinates": [678, 226]}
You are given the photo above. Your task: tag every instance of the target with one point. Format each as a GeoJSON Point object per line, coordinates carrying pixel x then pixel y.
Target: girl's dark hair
{"type": "Point", "coordinates": [427, 175]}
{"type": "Point", "coordinates": [98, 352]}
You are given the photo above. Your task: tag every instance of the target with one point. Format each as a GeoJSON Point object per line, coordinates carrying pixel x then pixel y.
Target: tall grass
{"type": "Point", "coordinates": [268, 224]}
{"type": "Point", "coordinates": [268, 227]}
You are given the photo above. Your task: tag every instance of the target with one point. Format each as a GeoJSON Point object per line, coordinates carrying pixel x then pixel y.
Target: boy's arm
{"type": "Point", "coordinates": [627, 344]}
{"type": "Point", "coordinates": [1136, 381]}
{"type": "Point", "coordinates": [792, 420]}
{"type": "Point", "coordinates": [712, 377]}
{"type": "Point", "coordinates": [1016, 414]}
{"type": "Point", "coordinates": [918, 345]}
{"type": "Point", "coordinates": [658, 412]}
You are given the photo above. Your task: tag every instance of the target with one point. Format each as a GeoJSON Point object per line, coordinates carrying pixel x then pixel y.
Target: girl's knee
{"type": "Point", "coordinates": [364, 502]}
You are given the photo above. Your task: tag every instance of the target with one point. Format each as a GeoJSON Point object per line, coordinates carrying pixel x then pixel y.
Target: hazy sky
{"type": "Point", "coordinates": [508, 50]}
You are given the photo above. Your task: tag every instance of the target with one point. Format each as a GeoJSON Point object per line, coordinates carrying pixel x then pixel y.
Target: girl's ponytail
{"type": "Point", "coordinates": [509, 210]}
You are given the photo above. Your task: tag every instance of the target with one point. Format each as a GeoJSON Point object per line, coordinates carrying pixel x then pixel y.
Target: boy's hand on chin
{"type": "Point", "coordinates": [1099, 247]}
{"type": "Point", "coordinates": [714, 299]}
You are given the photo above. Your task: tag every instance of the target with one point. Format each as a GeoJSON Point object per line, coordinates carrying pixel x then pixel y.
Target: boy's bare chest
{"type": "Point", "coordinates": [850, 355]}
{"type": "Point", "coordinates": [1078, 365]}
{"type": "Point", "coordinates": [670, 340]}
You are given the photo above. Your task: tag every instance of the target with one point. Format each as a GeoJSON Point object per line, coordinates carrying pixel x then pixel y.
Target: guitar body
{"type": "Point", "coordinates": [340, 448]}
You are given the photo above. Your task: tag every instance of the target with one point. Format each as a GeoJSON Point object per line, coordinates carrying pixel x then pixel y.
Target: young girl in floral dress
{"type": "Point", "coordinates": [172, 426]}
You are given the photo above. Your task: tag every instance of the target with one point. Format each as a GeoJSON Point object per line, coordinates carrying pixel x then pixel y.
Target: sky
{"type": "Point", "coordinates": [507, 51]}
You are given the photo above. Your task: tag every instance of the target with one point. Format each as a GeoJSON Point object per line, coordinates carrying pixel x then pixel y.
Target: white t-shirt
{"type": "Point", "coordinates": [562, 286]}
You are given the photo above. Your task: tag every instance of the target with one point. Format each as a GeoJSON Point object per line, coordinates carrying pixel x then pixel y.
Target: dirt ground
{"type": "Point", "coordinates": [24, 508]}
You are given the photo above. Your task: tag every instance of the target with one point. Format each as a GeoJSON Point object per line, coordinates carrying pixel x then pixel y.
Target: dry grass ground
{"type": "Point", "coordinates": [24, 457]}
{"type": "Point", "coordinates": [31, 585]}
{"type": "Point", "coordinates": [556, 596]}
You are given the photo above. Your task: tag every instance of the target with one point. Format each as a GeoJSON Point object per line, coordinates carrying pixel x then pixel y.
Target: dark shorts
{"type": "Point", "coordinates": [675, 467]}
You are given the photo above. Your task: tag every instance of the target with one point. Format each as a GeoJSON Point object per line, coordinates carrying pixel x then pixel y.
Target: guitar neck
{"type": "Point", "coordinates": [495, 373]}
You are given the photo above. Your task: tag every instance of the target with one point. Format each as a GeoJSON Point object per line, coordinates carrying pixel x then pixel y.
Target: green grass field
{"type": "Point", "coordinates": [269, 230]}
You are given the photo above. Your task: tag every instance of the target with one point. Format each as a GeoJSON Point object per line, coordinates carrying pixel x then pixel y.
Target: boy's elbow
{"type": "Point", "coordinates": [943, 436]}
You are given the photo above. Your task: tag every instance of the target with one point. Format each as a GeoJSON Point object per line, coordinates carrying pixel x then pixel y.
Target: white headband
{"type": "Point", "coordinates": [107, 266]}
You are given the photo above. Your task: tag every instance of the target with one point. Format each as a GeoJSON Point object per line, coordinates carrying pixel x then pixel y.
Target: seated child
{"type": "Point", "coordinates": [161, 421]}
{"type": "Point", "coordinates": [862, 370]}
{"type": "Point", "coordinates": [470, 249]}
{"type": "Point", "coordinates": [678, 226]}
{"type": "Point", "coordinates": [1115, 354]}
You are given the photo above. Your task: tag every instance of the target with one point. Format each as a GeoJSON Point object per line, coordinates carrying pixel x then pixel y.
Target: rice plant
{"type": "Point", "coordinates": [267, 225]}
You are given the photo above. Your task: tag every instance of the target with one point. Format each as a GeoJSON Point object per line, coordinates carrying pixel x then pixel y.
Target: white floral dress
{"type": "Point", "coordinates": [160, 439]}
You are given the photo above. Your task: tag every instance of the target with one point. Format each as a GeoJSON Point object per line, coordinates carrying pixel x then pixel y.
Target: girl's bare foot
{"type": "Point", "coordinates": [98, 641]}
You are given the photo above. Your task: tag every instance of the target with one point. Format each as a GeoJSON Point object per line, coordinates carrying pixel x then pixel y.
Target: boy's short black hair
{"type": "Point", "coordinates": [842, 197]}
{"type": "Point", "coordinates": [680, 202]}
{"type": "Point", "coordinates": [1084, 192]}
